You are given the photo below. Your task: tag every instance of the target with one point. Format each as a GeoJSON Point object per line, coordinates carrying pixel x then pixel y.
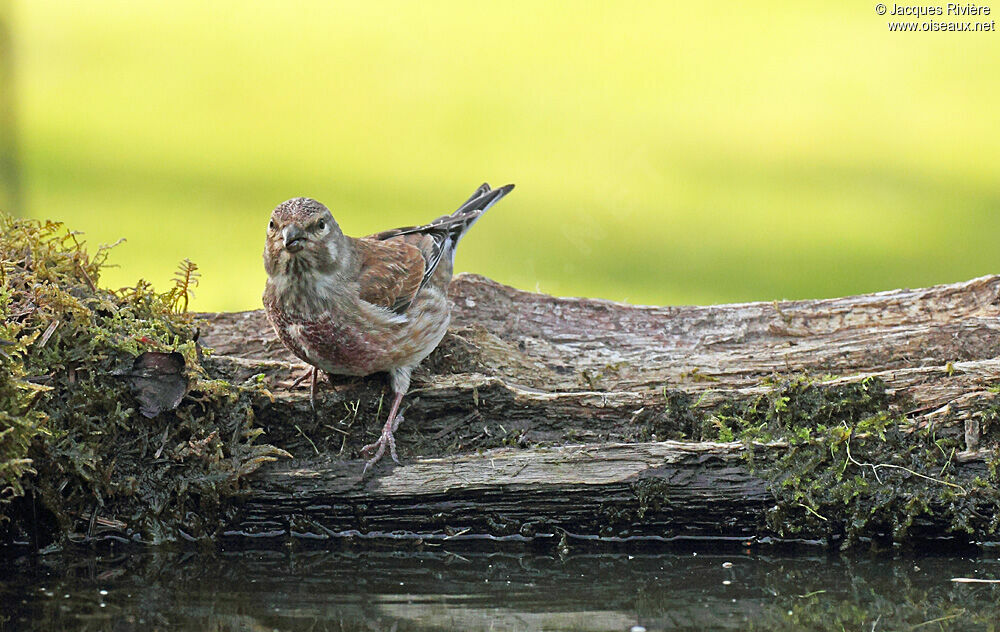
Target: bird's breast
{"type": "Point", "coordinates": [351, 342]}
{"type": "Point", "coordinates": [337, 347]}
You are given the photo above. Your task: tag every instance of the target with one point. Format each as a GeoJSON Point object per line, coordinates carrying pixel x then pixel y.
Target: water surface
{"type": "Point", "coordinates": [292, 589]}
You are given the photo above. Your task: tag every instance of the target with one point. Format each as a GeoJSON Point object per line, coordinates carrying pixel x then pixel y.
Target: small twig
{"type": "Point", "coordinates": [455, 535]}
{"type": "Point", "coordinates": [635, 415]}
{"type": "Point", "coordinates": [875, 467]}
{"type": "Point", "coordinates": [948, 462]}
{"type": "Point", "coordinates": [520, 469]}
{"type": "Point", "coordinates": [48, 333]}
{"type": "Point", "coordinates": [300, 378]}
{"type": "Point", "coordinates": [972, 580]}
{"type": "Point", "coordinates": [352, 411]}
{"type": "Point", "coordinates": [924, 476]}
{"type": "Point", "coordinates": [811, 510]}
{"type": "Point", "coordinates": [939, 619]}
{"type": "Point", "coordinates": [86, 277]}
{"type": "Point", "coordinates": [93, 520]}
{"type": "Point", "coordinates": [163, 443]}
{"type": "Point", "coordinates": [315, 449]}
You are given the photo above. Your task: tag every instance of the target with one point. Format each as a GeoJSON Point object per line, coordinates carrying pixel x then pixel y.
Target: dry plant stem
{"type": "Point", "coordinates": [875, 467]}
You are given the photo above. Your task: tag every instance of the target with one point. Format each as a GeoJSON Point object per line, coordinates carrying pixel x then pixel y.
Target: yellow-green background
{"type": "Point", "coordinates": [663, 152]}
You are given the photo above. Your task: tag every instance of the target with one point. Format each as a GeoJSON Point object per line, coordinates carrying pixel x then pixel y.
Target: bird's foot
{"type": "Point", "coordinates": [379, 446]}
{"type": "Point", "coordinates": [311, 374]}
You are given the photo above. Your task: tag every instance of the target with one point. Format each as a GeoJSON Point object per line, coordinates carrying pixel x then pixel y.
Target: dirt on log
{"type": "Point", "coordinates": [544, 417]}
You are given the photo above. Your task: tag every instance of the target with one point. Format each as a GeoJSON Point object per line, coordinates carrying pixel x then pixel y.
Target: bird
{"type": "Point", "coordinates": [359, 306]}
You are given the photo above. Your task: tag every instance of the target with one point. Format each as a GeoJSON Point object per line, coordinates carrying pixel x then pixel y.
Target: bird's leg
{"type": "Point", "coordinates": [312, 390]}
{"type": "Point", "coordinates": [310, 373]}
{"type": "Point", "coordinates": [299, 379]}
{"type": "Point", "coordinates": [386, 439]}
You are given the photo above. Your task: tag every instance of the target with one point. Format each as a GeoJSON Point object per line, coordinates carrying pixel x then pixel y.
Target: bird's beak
{"type": "Point", "coordinates": [295, 238]}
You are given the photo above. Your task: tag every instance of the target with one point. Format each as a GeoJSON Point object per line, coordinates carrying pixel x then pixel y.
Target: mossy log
{"type": "Point", "coordinates": [562, 417]}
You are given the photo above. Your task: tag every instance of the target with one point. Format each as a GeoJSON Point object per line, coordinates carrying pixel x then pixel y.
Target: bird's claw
{"type": "Point", "coordinates": [379, 446]}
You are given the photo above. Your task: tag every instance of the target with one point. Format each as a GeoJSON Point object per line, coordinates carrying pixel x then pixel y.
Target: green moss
{"type": "Point", "coordinates": [75, 455]}
{"type": "Point", "coordinates": [795, 408]}
{"type": "Point", "coordinates": [677, 420]}
{"type": "Point", "coordinates": [651, 496]}
{"type": "Point", "coordinates": [853, 470]}
{"type": "Point", "coordinates": [842, 464]}
{"type": "Point", "coordinates": [20, 420]}
{"type": "Point", "coordinates": [695, 375]}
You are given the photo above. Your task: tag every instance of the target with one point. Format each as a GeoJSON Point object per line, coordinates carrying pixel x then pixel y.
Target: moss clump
{"type": "Point", "coordinates": [842, 464]}
{"type": "Point", "coordinates": [20, 421]}
{"type": "Point", "coordinates": [795, 407]}
{"type": "Point", "coordinates": [853, 469]}
{"type": "Point", "coordinates": [650, 495]}
{"type": "Point", "coordinates": [76, 457]}
{"type": "Point", "coordinates": [677, 420]}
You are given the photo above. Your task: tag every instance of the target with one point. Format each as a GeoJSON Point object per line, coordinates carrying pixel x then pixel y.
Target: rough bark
{"type": "Point", "coordinates": [538, 410]}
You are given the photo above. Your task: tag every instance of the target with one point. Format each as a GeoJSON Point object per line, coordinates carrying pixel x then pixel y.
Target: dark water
{"type": "Point", "coordinates": [292, 589]}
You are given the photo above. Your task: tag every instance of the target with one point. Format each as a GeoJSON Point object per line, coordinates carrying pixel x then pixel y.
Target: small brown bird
{"type": "Point", "coordinates": [351, 306]}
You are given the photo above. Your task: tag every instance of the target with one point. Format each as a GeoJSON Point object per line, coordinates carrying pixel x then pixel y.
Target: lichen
{"type": "Point", "coordinates": [76, 458]}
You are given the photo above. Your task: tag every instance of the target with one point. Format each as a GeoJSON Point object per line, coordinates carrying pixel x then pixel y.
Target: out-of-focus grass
{"type": "Point", "coordinates": [664, 153]}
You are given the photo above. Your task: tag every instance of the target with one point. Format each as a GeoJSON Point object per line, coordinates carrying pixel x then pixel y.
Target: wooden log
{"type": "Point", "coordinates": [542, 414]}
{"type": "Point", "coordinates": [701, 490]}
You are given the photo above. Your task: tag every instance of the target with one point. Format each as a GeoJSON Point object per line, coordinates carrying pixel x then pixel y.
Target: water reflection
{"type": "Point", "coordinates": [321, 590]}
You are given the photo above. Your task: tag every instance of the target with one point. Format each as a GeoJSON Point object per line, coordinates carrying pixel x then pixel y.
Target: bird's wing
{"type": "Point", "coordinates": [438, 239]}
{"type": "Point", "coordinates": [392, 272]}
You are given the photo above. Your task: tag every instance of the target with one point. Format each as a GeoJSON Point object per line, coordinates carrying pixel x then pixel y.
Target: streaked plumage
{"type": "Point", "coordinates": [357, 306]}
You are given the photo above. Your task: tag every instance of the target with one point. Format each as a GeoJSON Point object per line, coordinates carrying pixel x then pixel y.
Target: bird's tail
{"type": "Point", "coordinates": [448, 229]}
{"type": "Point", "coordinates": [461, 221]}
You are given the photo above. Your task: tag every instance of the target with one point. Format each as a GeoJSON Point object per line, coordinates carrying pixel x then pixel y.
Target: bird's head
{"type": "Point", "coordinates": [302, 236]}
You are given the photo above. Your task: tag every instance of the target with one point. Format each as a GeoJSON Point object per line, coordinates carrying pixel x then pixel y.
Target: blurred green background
{"type": "Point", "coordinates": [663, 152]}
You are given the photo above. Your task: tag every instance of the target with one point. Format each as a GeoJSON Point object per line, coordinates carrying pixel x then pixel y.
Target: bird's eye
{"type": "Point", "coordinates": [270, 225]}
{"type": "Point", "coordinates": [321, 224]}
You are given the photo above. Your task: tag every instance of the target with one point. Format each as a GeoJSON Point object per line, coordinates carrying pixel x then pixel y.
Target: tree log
{"type": "Point", "coordinates": [539, 416]}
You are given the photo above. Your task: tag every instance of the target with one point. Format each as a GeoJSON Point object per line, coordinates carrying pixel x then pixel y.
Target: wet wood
{"type": "Point", "coordinates": [701, 489]}
{"type": "Point", "coordinates": [538, 409]}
